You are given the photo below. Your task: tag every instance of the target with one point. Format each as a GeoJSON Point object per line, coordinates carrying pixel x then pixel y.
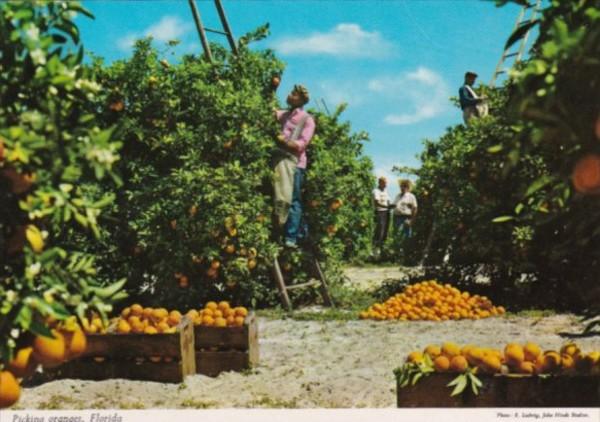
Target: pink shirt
{"type": "Point", "coordinates": [289, 120]}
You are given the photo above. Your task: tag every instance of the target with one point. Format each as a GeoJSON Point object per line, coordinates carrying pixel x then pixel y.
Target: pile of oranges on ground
{"type": "Point", "coordinates": [515, 358]}
{"type": "Point", "coordinates": [432, 301]}
{"type": "Point", "coordinates": [68, 342]}
{"type": "Point", "coordinates": [218, 315]}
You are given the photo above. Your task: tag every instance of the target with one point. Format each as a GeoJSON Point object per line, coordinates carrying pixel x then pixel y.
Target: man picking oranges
{"type": "Point", "coordinates": [297, 130]}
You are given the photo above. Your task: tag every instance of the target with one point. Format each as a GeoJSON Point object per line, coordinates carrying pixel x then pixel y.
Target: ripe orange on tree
{"type": "Point", "coordinates": [50, 351]}
{"type": "Point", "coordinates": [23, 363]}
{"type": "Point", "coordinates": [10, 390]}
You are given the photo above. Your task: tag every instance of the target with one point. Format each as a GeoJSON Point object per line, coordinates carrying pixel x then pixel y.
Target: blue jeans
{"type": "Point", "coordinates": [400, 225]}
{"type": "Point", "coordinates": [292, 225]}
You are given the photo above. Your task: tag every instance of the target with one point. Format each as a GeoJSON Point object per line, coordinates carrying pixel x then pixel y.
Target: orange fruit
{"type": "Point", "coordinates": [211, 305]}
{"type": "Point", "coordinates": [215, 264]}
{"type": "Point", "coordinates": [150, 330]}
{"type": "Point", "coordinates": [547, 363]}
{"type": "Point", "coordinates": [209, 312]}
{"type": "Point", "coordinates": [586, 174]}
{"type": "Point", "coordinates": [570, 349]}
{"type": "Point", "coordinates": [123, 327]}
{"type": "Point", "coordinates": [23, 364]}
{"type": "Point", "coordinates": [192, 314]}
{"type": "Point", "coordinates": [230, 320]}
{"type": "Point", "coordinates": [432, 350]}
{"type": "Point", "coordinates": [475, 356]}
{"type": "Point", "coordinates": [514, 354]}
{"type": "Point", "coordinates": [220, 322]}
{"type": "Point", "coordinates": [415, 357]}
{"type": "Point", "coordinates": [160, 313]}
{"type": "Point", "coordinates": [458, 363]}
{"type": "Point", "coordinates": [174, 318]}
{"type": "Point", "coordinates": [531, 351]}
{"type": "Point", "coordinates": [490, 364]}
{"type": "Point", "coordinates": [208, 320]}
{"type": "Point", "coordinates": [450, 350]}
{"type": "Point", "coordinates": [526, 367]}
{"type": "Point", "coordinates": [147, 312]}
{"type": "Point", "coordinates": [217, 313]}
{"type": "Point", "coordinates": [251, 264]}
{"type": "Point", "coordinates": [50, 351]}
{"type": "Point", "coordinates": [441, 363]}
{"type": "Point", "coordinates": [76, 343]}
{"type": "Point", "coordinates": [223, 305]}
{"type": "Point", "coordinates": [125, 312]}
{"type": "Point", "coordinates": [9, 389]}
{"type": "Point", "coordinates": [239, 321]}
{"type": "Point", "coordinates": [241, 311]}
{"type": "Point", "coordinates": [229, 313]}
{"type": "Point", "coordinates": [136, 309]}
{"type": "Point", "coordinates": [162, 327]}
{"type": "Point", "coordinates": [230, 249]}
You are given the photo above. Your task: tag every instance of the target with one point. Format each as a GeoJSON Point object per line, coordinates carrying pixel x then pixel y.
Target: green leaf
{"type": "Point", "coordinates": [495, 148]}
{"type": "Point", "coordinates": [520, 33]}
{"type": "Point", "coordinates": [538, 184]}
{"type": "Point", "coordinates": [460, 382]}
{"type": "Point", "coordinates": [108, 291]}
{"type": "Point", "coordinates": [24, 317]}
{"type": "Point", "coordinates": [76, 7]}
{"type": "Point", "coordinates": [503, 219]}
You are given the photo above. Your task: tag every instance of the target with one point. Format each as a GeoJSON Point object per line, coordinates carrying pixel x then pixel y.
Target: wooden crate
{"type": "Point", "coordinates": [128, 356]}
{"type": "Point", "coordinates": [505, 391]}
{"type": "Point", "coordinates": [226, 349]}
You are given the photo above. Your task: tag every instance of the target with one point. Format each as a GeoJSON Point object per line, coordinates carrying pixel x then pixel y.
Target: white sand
{"type": "Point", "coordinates": [307, 364]}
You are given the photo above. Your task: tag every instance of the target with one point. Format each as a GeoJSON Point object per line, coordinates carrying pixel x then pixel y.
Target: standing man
{"type": "Point", "coordinates": [405, 210]}
{"type": "Point", "coordinates": [297, 130]}
{"type": "Point", "coordinates": [381, 203]}
{"type": "Point", "coordinates": [471, 104]}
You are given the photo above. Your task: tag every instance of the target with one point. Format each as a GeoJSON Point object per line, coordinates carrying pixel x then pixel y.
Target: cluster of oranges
{"type": "Point", "coordinates": [218, 315]}
{"type": "Point", "coordinates": [137, 319]}
{"type": "Point", "coordinates": [432, 301]}
{"type": "Point", "coordinates": [515, 358]}
{"type": "Point", "coordinates": [68, 342]}
{"type": "Point", "coordinates": [93, 324]}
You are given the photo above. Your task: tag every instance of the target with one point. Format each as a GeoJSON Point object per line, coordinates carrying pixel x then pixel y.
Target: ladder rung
{"type": "Point", "coordinates": [302, 285]}
{"type": "Point", "coordinates": [500, 71]}
{"type": "Point", "coordinates": [216, 31]}
{"type": "Point", "coordinates": [511, 55]}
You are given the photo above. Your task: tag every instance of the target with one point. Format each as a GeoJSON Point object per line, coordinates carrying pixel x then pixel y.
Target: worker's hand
{"type": "Point", "coordinates": [280, 138]}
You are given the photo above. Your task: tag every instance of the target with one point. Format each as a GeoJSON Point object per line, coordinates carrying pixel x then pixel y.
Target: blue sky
{"type": "Point", "coordinates": [395, 62]}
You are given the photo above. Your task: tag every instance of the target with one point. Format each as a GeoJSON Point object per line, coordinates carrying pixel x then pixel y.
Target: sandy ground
{"type": "Point", "coordinates": [308, 364]}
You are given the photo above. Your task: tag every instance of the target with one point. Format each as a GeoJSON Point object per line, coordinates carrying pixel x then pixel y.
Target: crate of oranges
{"type": "Point", "coordinates": [518, 375]}
{"type": "Point", "coordinates": [143, 343]}
{"type": "Point", "coordinates": [225, 338]}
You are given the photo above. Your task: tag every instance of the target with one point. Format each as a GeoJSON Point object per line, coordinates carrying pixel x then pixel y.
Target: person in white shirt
{"type": "Point", "coordinates": [405, 210]}
{"type": "Point", "coordinates": [381, 203]}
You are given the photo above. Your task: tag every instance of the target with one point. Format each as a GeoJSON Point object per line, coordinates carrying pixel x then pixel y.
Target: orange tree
{"type": "Point", "coordinates": [555, 100]}
{"type": "Point", "coordinates": [192, 220]}
{"type": "Point", "coordinates": [49, 147]}
{"type": "Point", "coordinates": [518, 191]}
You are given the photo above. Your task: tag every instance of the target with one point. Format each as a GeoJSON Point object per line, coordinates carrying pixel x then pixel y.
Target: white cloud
{"type": "Point", "coordinates": [168, 28]}
{"type": "Point", "coordinates": [423, 91]}
{"type": "Point", "coordinates": [345, 40]}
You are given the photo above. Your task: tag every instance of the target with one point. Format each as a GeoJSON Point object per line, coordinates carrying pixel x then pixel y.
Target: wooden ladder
{"type": "Point", "coordinates": [319, 281]}
{"type": "Point", "coordinates": [202, 30]}
{"type": "Point", "coordinates": [521, 22]}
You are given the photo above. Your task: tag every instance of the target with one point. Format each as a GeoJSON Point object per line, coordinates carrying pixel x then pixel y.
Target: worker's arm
{"type": "Point", "coordinates": [300, 144]}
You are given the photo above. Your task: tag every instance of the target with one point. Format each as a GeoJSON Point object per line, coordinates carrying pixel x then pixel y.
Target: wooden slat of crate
{"type": "Point", "coordinates": [88, 369]}
{"type": "Point", "coordinates": [119, 349]}
{"type": "Point", "coordinates": [230, 337]}
{"type": "Point", "coordinates": [239, 347]}
{"type": "Point", "coordinates": [505, 391]}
